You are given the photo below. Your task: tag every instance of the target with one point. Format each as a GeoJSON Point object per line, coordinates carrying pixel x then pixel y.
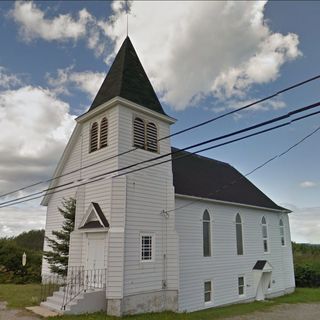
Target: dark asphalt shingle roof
{"type": "Point", "coordinates": [203, 177]}
{"type": "Point", "coordinates": [127, 79]}
{"type": "Point", "coordinates": [260, 265]}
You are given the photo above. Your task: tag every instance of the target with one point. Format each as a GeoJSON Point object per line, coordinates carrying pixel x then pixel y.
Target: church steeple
{"type": "Point", "coordinates": [127, 79]}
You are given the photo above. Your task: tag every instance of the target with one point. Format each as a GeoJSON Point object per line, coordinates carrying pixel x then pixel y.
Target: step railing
{"type": "Point", "coordinates": [80, 280]}
{"type": "Point", "coordinates": [51, 283]}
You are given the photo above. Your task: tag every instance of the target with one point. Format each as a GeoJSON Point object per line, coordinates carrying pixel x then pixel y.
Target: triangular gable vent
{"type": "Point", "coordinates": [94, 218]}
{"type": "Point", "coordinates": [262, 265]}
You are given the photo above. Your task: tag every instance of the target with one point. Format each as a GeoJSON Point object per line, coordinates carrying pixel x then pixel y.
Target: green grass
{"type": "Point", "coordinates": [19, 296]}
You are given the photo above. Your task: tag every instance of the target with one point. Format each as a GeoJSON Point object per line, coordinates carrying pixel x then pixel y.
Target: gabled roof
{"type": "Point", "coordinates": [262, 265]}
{"type": "Point", "coordinates": [100, 220]}
{"type": "Point", "coordinates": [203, 177]}
{"type": "Point", "coordinates": [127, 79]}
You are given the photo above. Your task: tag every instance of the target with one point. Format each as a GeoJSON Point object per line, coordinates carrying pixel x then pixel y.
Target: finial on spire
{"type": "Point", "coordinates": [127, 11]}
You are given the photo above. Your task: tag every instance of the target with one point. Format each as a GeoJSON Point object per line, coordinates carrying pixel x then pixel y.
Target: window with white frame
{"type": "Point", "coordinates": [147, 244]}
{"type": "Point", "coordinates": [241, 287]}
{"type": "Point", "coordinates": [281, 226]}
{"type": "Point", "coordinates": [206, 230]}
{"type": "Point", "coordinates": [207, 291]}
{"type": "Point", "coordinates": [264, 235]}
{"type": "Point", "coordinates": [239, 235]}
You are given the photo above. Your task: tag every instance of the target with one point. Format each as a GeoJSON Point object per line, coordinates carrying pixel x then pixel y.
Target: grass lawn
{"type": "Point", "coordinates": [19, 296]}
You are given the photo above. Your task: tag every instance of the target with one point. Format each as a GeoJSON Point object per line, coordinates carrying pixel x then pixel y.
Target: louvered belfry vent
{"type": "Point", "coordinates": [139, 133]}
{"type": "Point", "coordinates": [104, 132]}
{"type": "Point", "coordinates": [94, 137]}
{"type": "Point", "coordinates": [152, 137]}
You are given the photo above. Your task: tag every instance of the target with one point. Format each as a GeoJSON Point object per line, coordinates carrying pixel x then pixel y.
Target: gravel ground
{"type": "Point", "coordinates": [15, 314]}
{"type": "Point", "coordinates": [301, 311]}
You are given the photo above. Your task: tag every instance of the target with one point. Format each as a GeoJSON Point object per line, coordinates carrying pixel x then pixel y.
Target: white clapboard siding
{"type": "Point", "coordinates": [149, 192]}
{"type": "Point", "coordinates": [224, 266]}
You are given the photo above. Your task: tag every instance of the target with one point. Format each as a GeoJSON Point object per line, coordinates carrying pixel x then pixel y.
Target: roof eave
{"type": "Point", "coordinates": [231, 203]}
{"type": "Point", "coordinates": [119, 100]}
{"type": "Point", "coordinates": [61, 163]}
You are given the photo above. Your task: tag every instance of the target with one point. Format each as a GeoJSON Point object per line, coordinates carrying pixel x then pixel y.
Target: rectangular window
{"type": "Point", "coordinates": [207, 291]}
{"type": "Point", "coordinates": [146, 247]}
{"type": "Point", "coordinates": [241, 286]}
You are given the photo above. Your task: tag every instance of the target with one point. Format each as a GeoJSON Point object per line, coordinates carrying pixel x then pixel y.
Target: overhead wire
{"type": "Point", "coordinates": [168, 136]}
{"type": "Point", "coordinates": [103, 175]}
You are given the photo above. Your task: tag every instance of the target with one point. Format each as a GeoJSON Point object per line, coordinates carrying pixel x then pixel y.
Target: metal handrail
{"type": "Point", "coordinates": [49, 284]}
{"type": "Point", "coordinates": [80, 280]}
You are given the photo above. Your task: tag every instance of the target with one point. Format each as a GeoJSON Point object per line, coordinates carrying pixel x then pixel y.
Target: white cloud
{"type": "Point", "coordinates": [35, 126]}
{"type": "Point", "coordinates": [14, 220]}
{"type": "Point", "coordinates": [192, 49]}
{"type": "Point", "coordinates": [304, 224]}
{"type": "Point", "coordinates": [34, 24]}
{"type": "Point", "coordinates": [86, 81]}
{"type": "Point", "coordinates": [308, 184]}
{"type": "Point", "coordinates": [8, 80]}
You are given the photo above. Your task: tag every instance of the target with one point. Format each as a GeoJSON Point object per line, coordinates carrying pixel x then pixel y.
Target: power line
{"type": "Point", "coordinates": [171, 135]}
{"type": "Point", "coordinates": [250, 172]}
{"type": "Point", "coordinates": [103, 175]}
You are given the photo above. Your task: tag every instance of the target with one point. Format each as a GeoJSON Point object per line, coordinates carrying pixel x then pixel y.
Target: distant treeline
{"type": "Point", "coordinates": [306, 259]}
{"type": "Point", "coordinates": [11, 251]}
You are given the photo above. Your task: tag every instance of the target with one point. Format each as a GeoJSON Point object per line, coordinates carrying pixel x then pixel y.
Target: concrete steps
{"type": "Point", "coordinates": [86, 302]}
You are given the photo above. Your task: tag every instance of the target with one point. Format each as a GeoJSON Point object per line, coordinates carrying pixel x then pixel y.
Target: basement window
{"type": "Point", "coordinates": [207, 291]}
{"type": "Point", "coordinates": [241, 286]}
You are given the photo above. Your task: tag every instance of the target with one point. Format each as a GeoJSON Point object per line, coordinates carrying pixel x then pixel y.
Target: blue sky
{"type": "Point", "coordinates": [202, 62]}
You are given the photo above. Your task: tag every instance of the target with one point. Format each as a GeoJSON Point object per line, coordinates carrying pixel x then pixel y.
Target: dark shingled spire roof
{"type": "Point", "coordinates": [127, 79]}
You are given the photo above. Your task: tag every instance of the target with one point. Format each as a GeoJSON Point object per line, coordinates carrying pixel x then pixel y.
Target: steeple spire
{"type": "Point", "coordinates": [127, 79]}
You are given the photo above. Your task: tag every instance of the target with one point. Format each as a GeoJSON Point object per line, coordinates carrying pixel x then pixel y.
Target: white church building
{"type": "Point", "coordinates": [182, 235]}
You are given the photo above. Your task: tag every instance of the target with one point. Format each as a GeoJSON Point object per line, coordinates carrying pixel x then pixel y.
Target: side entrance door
{"type": "Point", "coordinates": [95, 262]}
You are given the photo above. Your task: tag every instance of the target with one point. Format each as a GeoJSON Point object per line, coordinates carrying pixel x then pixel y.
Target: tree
{"type": "Point", "coordinates": [58, 256]}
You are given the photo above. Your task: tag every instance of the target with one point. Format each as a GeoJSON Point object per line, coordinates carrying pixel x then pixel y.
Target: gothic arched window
{"type": "Point", "coordinates": [94, 137]}
{"type": "Point", "coordinates": [239, 236]}
{"type": "Point", "coordinates": [206, 229]}
{"type": "Point", "coordinates": [152, 137]}
{"type": "Point", "coordinates": [104, 132]}
{"type": "Point", "coordinates": [138, 133]}
{"type": "Point", "coordinates": [264, 234]}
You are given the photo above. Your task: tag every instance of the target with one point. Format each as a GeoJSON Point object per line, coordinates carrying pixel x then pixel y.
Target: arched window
{"type": "Point", "coordinates": [239, 235]}
{"type": "Point", "coordinates": [206, 234]}
{"type": "Point", "coordinates": [104, 132]}
{"type": "Point", "coordinates": [94, 137]}
{"type": "Point", "coordinates": [152, 137]}
{"type": "Point", "coordinates": [138, 133]}
{"type": "Point", "coordinates": [281, 226]}
{"type": "Point", "coordinates": [264, 234]}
